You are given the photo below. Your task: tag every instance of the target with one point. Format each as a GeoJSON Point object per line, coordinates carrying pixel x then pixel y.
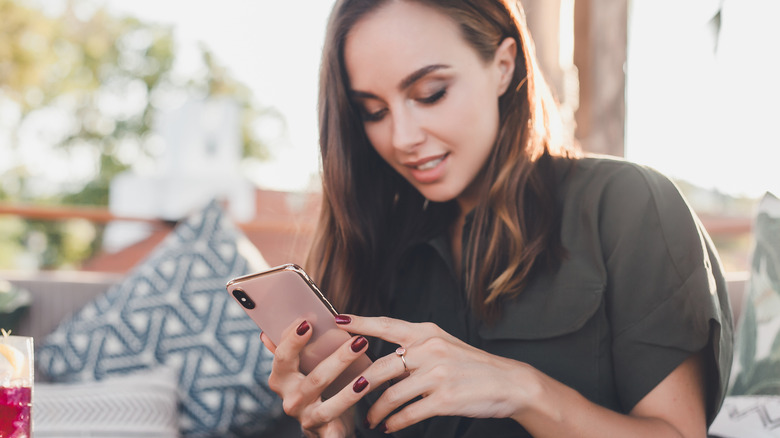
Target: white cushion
{"type": "Point", "coordinates": [137, 405]}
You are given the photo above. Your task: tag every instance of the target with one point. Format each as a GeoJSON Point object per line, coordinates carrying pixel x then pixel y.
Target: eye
{"type": "Point", "coordinates": [375, 116]}
{"type": "Point", "coordinates": [433, 98]}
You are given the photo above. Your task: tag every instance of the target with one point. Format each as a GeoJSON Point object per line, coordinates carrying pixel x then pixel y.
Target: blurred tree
{"type": "Point", "coordinates": [86, 90]}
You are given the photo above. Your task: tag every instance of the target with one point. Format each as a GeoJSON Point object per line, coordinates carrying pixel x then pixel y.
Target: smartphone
{"type": "Point", "coordinates": [277, 297]}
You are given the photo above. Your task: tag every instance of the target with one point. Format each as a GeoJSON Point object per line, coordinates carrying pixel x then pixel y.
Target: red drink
{"type": "Point", "coordinates": [15, 405]}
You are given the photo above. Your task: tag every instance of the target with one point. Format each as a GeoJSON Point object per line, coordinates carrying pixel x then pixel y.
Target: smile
{"type": "Point", "coordinates": [428, 170]}
{"type": "Point", "coordinates": [431, 164]}
{"type": "Point", "coordinates": [427, 163]}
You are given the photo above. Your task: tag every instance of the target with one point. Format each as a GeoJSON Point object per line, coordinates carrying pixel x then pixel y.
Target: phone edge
{"type": "Point", "coordinates": [293, 268]}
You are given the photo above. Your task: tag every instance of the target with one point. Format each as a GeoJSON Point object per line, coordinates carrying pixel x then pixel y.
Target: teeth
{"type": "Point", "coordinates": [430, 164]}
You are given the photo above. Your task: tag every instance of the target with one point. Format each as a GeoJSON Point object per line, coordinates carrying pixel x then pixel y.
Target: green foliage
{"type": "Point", "coordinates": [103, 79]}
{"type": "Point", "coordinates": [758, 336]}
{"type": "Point", "coordinates": [12, 230]}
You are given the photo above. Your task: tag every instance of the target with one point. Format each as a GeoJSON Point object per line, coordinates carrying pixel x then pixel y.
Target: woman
{"type": "Point", "coordinates": [531, 292]}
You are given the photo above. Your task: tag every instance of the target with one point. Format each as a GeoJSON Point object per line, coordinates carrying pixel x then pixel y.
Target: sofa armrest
{"type": "Point", "coordinates": [56, 295]}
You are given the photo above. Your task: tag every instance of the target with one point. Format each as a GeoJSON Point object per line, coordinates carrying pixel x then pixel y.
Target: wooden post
{"type": "Point", "coordinates": [600, 35]}
{"type": "Point", "coordinates": [551, 25]}
{"type": "Point", "coordinates": [543, 17]}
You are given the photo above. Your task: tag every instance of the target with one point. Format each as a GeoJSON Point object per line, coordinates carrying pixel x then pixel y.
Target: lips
{"type": "Point", "coordinates": [428, 170]}
{"type": "Point", "coordinates": [427, 163]}
{"type": "Point", "coordinates": [431, 164]}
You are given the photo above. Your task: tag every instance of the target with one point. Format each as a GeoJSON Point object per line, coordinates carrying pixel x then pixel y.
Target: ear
{"type": "Point", "coordinates": [504, 61]}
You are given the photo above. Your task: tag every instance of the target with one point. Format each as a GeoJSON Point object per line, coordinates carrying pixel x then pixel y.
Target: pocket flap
{"type": "Point", "coordinates": [547, 309]}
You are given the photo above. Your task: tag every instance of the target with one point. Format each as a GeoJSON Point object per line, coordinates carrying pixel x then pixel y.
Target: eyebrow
{"type": "Point", "coordinates": [406, 82]}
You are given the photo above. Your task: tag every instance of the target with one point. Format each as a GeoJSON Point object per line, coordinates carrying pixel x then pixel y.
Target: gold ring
{"type": "Point", "coordinates": [400, 352]}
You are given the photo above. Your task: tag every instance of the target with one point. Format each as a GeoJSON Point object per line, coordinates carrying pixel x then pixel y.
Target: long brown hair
{"type": "Point", "coordinates": [370, 214]}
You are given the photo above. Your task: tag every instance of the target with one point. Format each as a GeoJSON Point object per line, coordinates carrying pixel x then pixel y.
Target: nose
{"type": "Point", "coordinates": [407, 130]}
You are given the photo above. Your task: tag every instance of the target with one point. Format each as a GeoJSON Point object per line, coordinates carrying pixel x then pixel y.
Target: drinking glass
{"type": "Point", "coordinates": [16, 382]}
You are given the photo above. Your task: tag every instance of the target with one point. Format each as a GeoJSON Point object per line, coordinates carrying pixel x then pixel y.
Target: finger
{"type": "Point", "coordinates": [305, 400]}
{"type": "Point", "coordinates": [332, 366]}
{"type": "Point", "coordinates": [285, 374]}
{"type": "Point", "coordinates": [389, 367]}
{"type": "Point", "coordinates": [324, 374]}
{"type": "Point", "coordinates": [393, 330]}
{"type": "Point", "coordinates": [375, 376]}
{"type": "Point", "coordinates": [267, 342]}
{"type": "Point", "coordinates": [396, 396]}
{"type": "Point", "coordinates": [343, 401]}
{"type": "Point", "coordinates": [413, 413]}
{"type": "Point", "coordinates": [294, 338]}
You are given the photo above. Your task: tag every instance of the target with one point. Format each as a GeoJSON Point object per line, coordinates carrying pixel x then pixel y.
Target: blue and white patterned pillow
{"type": "Point", "coordinates": [173, 310]}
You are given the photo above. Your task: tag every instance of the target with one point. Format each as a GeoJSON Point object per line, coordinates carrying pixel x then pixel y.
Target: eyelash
{"type": "Point", "coordinates": [373, 117]}
{"type": "Point", "coordinates": [428, 100]}
{"type": "Point", "coordinates": [433, 98]}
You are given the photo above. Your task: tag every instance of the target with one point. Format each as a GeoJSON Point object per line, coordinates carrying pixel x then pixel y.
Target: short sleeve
{"type": "Point", "coordinates": [666, 297]}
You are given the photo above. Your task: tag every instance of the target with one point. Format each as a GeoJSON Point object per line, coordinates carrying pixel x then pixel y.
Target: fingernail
{"type": "Point", "coordinates": [343, 319]}
{"type": "Point", "coordinates": [366, 423]}
{"type": "Point", "coordinates": [359, 343]}
{"type": "Point", "coordinates": [360, 384]}
{"type": "Point", "coordinates": [383, 427]}
{"type": "Point", "coordinates": [303, 328]}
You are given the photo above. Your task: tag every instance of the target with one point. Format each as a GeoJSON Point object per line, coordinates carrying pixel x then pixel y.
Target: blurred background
{"type": "Point", "coordinates": [118, 118]}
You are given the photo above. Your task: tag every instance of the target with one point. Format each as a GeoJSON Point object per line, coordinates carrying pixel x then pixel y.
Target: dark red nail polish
{"type": "Point", "coordinates": [359, 343]}
{"type": "Point", "coordinates": [366, 423]}
{"type": "Point", "coordinates": [303, 328]}
{"type": "Point", "coordinates": [343, 319]}
{"type": "Point", "coordinates": [383, 427]}
{"type": "Point", "coordinates": [360, 384]}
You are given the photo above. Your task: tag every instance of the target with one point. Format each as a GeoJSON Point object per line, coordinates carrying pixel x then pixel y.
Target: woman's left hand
{"type": "Point", "coordinates": [451, 377]}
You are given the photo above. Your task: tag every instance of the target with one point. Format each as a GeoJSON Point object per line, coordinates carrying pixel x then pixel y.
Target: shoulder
{"type": "Point", "coordinates": [595, 174]}
{"type": "Point", "coordinates": [630, 211]}
{"type": "Point", "coordinates": [617, 189]}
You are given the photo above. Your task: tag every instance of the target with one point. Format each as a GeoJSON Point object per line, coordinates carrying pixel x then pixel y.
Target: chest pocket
{"type": "Point", "coordinates": [552, 305]}
{"type": "Point", "coordinates": [558, 325]}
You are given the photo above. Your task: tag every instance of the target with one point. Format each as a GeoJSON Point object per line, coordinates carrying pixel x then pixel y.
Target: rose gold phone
{"type": "Point", "coordinates": [280, 295]}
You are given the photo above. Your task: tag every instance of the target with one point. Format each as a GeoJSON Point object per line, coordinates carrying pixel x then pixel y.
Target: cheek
{"type": "Point", "coordinates": [474, 115]}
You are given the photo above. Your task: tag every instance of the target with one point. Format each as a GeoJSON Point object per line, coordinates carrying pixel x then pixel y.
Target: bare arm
{"type": "Point", "coordinates": [674, 408]}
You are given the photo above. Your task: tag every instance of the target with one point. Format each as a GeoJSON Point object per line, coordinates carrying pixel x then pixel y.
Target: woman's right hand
{"type": "Point", "coordinates": [302, 394]}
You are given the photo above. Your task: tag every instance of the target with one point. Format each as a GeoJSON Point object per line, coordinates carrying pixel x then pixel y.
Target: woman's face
{"type": "Point", "coordinates": [429, 102]}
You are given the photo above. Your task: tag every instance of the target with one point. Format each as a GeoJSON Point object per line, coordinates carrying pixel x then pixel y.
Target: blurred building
{"type": "Point", "coordinates": [200, 161]}
{"type": "Point", "coordinates": [282, 229]}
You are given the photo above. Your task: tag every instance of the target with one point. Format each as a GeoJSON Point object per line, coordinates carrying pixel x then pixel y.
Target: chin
{"type": "Point", "coordinates": [438, 196]}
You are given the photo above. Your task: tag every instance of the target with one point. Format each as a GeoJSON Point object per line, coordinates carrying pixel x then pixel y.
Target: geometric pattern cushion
{"type": "Point", "coordinates": [142, 404]}
{"type": "Point", "coordinates": [756, 367]}
{"type": "Point", "coordinates": [748, 417]}
{"type": "Point", "coordinates": [173, 310]}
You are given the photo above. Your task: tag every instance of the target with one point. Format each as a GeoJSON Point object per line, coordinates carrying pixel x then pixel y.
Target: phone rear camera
{"type": "Point", "coordinates": [243, 298]}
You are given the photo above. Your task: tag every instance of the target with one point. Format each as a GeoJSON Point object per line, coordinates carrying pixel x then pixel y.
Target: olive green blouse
{"type": "Point", "coordinates": [640, 291]}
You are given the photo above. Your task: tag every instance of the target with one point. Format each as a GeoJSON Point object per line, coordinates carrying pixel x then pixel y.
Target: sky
{"type": "Point", "coordinates": [704, 109]}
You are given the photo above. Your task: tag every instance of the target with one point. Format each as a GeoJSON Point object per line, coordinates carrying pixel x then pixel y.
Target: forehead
{"type": "Point", "coordinates": [398, 38]}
